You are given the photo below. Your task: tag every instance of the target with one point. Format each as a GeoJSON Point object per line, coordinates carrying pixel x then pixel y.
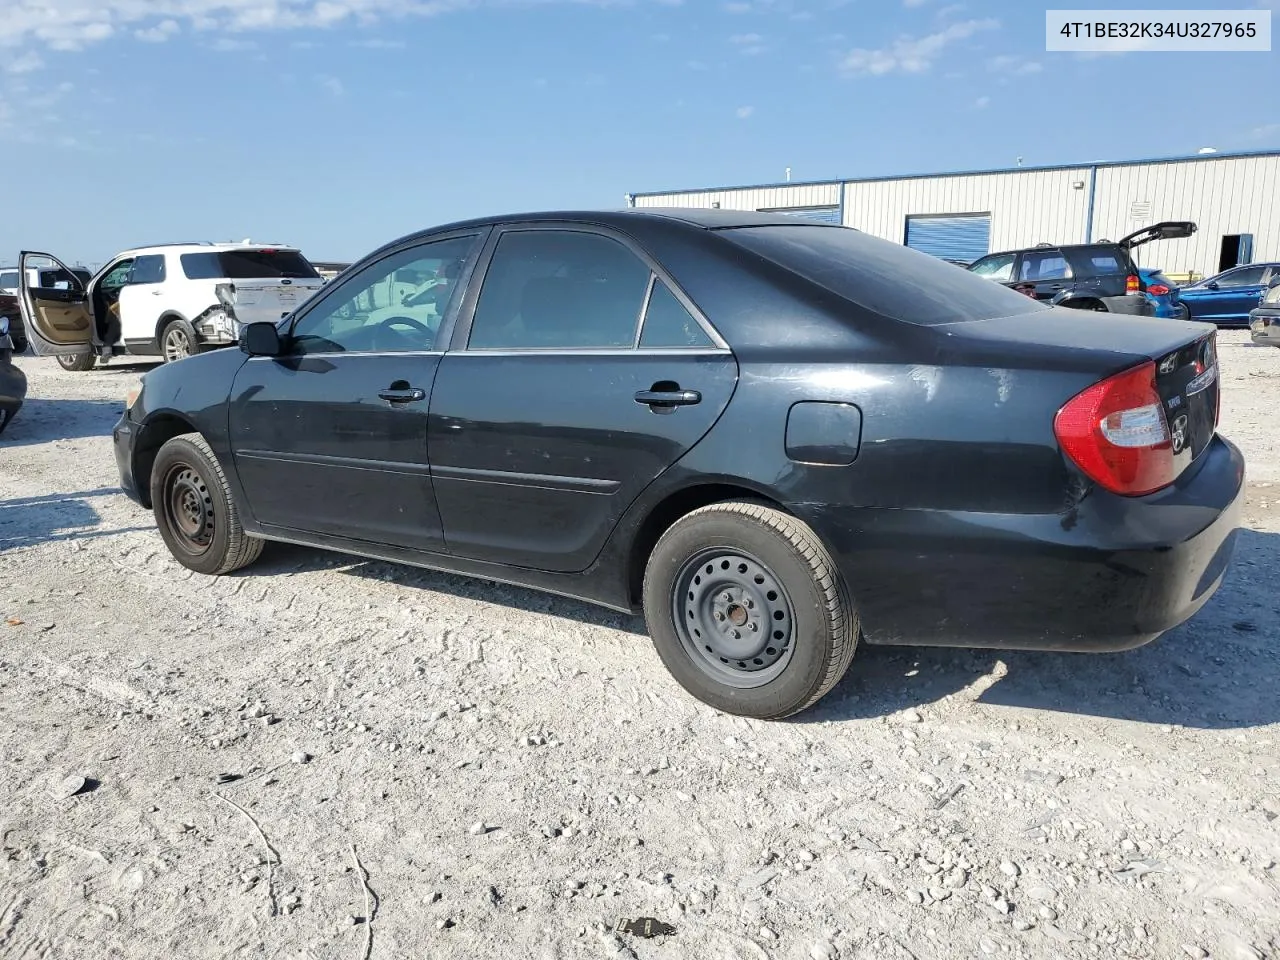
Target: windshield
{"type": "Point", "coordinates": [883, 277]}
{"type": "Point", "coordinates": [248, 265]}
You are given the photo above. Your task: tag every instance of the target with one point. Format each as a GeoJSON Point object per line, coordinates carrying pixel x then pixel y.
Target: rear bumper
{"type": "Point", "coordinates": [1264, 327]}
{"type": "Point", "coordinates": [1135, 305]}
{"type": "Point", "coordinates": [124, 437]}
{"type": "Point", "coordinates": [1113, 574]}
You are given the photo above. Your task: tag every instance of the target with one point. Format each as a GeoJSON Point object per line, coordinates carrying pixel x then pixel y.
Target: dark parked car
{"type": "Point", "coordinates": [1098, 276]}
{"type": "Point", "coordinates": [1264, 319]}
{"type": "Point", "coordinates": [774, 437]}
{"type": "Point", "coordinates": [13, 382]}
{"type": "Point", "coordinates": [1227, 298]}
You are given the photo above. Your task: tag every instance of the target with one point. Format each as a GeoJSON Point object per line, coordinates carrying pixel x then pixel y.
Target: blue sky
{"type": "Point", "coordinates": [340, 124]}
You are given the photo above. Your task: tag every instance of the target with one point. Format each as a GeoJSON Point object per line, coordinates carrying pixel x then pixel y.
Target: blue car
{"type": "Point", "coordinates": [1162, 293]}
{"type": "Point", "coordinates": [1227, 298]}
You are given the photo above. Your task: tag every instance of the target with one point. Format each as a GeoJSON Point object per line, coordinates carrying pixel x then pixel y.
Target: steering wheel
{"type": "Point", "coordinates": [418, 326]}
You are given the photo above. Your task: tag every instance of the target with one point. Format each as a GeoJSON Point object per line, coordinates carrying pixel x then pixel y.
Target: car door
{"type": "Point", "coordinates": [141, 300]}
{"type": "Point", "coordinates": [1045, 271]}
{"type": "Point", "coordinates": [1228, 297]}
{"type": "Point", "coordinates": [331, 437]}
{"type": "Point", "coordinates": [578, 374]}
{"type": "Point", "coordinates": [59, 318]}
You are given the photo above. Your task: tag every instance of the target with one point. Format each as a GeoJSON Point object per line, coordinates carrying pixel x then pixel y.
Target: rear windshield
{"type": "Point", "coordinates": [1097, 261]}
{"type": "Point", "coordinates": [883, 277]}
{"type": "Point", "coordinates": [248, 265]}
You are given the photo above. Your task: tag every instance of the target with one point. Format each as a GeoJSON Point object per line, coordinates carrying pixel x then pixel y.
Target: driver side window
{"type": "Point", "coordinates": [395, 305]}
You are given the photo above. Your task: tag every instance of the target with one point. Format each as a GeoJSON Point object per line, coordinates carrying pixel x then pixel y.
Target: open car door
{"type": "Point", "coordinates": [56, 312]}
{"type": "Point", "coordinates": [1168, 230]}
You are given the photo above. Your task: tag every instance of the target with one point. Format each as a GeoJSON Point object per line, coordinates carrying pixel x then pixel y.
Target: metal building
{"type": "Point", "coordinates": [1232, 197]}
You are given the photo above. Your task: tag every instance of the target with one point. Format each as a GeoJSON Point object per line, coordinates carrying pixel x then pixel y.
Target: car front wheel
{"type": "Point", "coordinates": [194, 509]}
{"type": "Point", "coordinates": [747, 611]}
{"type": "Point", "coordinates": [77, 362]}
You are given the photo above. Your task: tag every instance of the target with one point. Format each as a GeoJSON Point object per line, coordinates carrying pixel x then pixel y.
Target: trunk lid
{"type": "Point", "coordinates": [1100, 344]}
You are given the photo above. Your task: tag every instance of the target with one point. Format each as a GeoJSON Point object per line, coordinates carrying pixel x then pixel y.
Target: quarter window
{"type": "Point", "coordinates": [559, 289]}
{"type": "Point", "coordinates": [668, 324]}
{"type": "Point", "coordinates": [395, 305]}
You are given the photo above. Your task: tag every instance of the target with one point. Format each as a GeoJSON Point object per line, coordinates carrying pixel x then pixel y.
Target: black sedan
{"type": "Point", "coordinates": [13, 382]}
{"type": "Point", "coordinates": [776, 438]}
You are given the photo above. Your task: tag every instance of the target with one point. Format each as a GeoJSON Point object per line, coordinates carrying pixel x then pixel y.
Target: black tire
{"type": "Point", "coordinates": [768, 567]}
{"type": "Point", "coordinates": [194, 510]}
{"type": "Point", "coordinates": [77, 362]}
{"type": "Point", "coordinates": [1184, 312]}
{"type": "Point", "coordinates": [19, 345]}
{"type": "Point", "coordinates": [178, 341]}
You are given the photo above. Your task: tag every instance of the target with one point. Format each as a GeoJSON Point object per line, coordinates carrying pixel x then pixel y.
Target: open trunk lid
{"type": "Point", "coordinates": [255, 300]}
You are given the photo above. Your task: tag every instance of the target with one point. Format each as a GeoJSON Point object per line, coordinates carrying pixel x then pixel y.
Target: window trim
{"type": "Point", "coordinates": [466, 313]}
{"type": "Point", "coordinates": [287, 324]}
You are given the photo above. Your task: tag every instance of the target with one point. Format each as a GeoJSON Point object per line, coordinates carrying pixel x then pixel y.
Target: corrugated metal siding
{"type": "Point", "coordinates": [820, 214]}
{"type": "Point", "coordinates": [952, 237]}
{"type": "Point", "coordinates": [1223, 197]}
{"type": "Point", "coordinates": [1026, 208]}
{"type": "Point", "coordinates": [801, 195]}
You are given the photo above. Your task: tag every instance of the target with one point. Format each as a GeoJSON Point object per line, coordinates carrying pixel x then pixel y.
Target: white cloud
{"type": "Point", "coordinates": [1018, 66]}
{"type": "Point", "coordinates": [982, 103]}
{"type": "Point", "coordinates": [914, 3]}
{"type": "Point", "coordinates": [231, 45]}
{"type": "Point", "coordinates": [912, 54]}
{"type": "Point", "coordinates": [1268, 131]}
{"type": "Point", "coordinates": [742, 113]}
{"type": "Point", "coordinates": [24, 63]}
{"type": "Point", "coordinates": [377, 44]}
{"type": "Point", "coordinates": [161, 32]}
{"type": "Point", "coordinates": [742, 39]}
{"type": "Point", "coordinates": [332, 84]}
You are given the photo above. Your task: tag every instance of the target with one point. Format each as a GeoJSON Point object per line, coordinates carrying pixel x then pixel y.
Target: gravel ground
{"type": "Point", "coordinates": [512, 774]}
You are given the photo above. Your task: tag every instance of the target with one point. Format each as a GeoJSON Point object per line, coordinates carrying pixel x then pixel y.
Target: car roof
{"type": "Point", "coordinates": [203, 247]}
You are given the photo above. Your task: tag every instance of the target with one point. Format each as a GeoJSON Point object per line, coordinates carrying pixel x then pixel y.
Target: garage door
{"type": "Point", "coordinates": [962, 237]}
{"type": "Point", "coordinates": [821, 214]}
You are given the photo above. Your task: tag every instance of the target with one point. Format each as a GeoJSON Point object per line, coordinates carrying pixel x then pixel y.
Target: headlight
{"type": "Point", "coordinates": [1273, 295]}
{"type": "Point", "coordinates": [132, 396]}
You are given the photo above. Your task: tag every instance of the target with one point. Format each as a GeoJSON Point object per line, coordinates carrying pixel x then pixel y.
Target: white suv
{"type": "Point", "coordinates": [168, 301]}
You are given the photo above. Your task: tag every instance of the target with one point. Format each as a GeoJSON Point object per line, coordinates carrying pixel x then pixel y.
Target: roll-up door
{"type": "Point", "coordinates": [960, 237]}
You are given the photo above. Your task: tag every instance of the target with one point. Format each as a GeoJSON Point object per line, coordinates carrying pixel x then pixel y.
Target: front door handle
{"type": "Point", "coordinates": [403, 395]}
{"type": "Point", "coordinates": [669, 398]}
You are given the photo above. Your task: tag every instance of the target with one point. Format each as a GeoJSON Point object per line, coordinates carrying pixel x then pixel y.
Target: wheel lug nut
{"type": "Point", "coordinates": [737, 635]}
{"type": "Point", "coordinates": [754, 627]}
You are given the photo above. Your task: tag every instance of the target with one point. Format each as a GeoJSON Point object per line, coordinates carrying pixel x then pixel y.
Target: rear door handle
{"type": "Point", "coordinates": [408, 395]}
{"type": "Point", "coordinates": [669, 398]}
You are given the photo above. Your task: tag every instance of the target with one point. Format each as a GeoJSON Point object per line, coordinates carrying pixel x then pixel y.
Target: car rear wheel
{"type": "Point", "coordinates": [78, 362]}
{"type": "Point", "coordinates": [747, 611]}
{"type": "Point", "coordinates": [178, 341]}
{"type": "Point", "coordinates": [1184, 313]}
{"type": "Point", "coordinates": [194, 509]}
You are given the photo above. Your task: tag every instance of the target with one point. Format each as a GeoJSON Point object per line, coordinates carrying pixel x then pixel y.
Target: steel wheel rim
{"type": "Point", "coordinates": [188, 510]}
{"type": "Point", "coordinates": [176, 345]}
{"type": "Point", "coordinates": [734, 618]}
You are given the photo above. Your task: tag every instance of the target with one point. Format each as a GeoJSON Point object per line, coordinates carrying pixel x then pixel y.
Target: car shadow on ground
{"type": "Point", "coordinates": [1220, 670]}
{"type": "Point", "coordinates": [282, 558]}
{"type": "Point", "coordinates": [28, 521]}
{"type": "Point", "coordinates": [43, 421]}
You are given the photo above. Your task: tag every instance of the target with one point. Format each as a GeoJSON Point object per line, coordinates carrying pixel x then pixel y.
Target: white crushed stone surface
{"type": "Point", "coordinates": [195, 767]}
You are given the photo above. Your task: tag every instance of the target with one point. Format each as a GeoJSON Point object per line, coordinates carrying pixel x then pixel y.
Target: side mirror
{"type": "Point", "coordinates": [1212, 285]}
{"type": "Point", "coordinates": [261, 339]}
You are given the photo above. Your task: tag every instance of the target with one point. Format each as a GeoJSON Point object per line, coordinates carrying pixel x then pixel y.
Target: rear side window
{"type": "Point", "coordinates": [1049, 265]}
{"type": "Point", "coordinates": [559, 289]}
{"type": "Point", "coordinates": [882, 277]}
{"type": "Point", "coordinates": [9, 280]}
{"type": "Point", "coordinates": [1098, 262]}
{"type": "Point", "coordinates": [148, 269]}
{"type": "Point", "coordinates": [248, 265]}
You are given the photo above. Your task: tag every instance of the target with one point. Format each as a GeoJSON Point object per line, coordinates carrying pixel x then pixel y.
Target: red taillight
{"type": "Point", "coordinates": [1158, 290]}
{"type": "Point", "coordinates": [1132, 284]}
{"type": "Point", "coordinates": [1116, 433]}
